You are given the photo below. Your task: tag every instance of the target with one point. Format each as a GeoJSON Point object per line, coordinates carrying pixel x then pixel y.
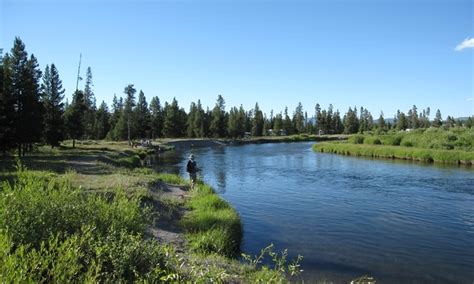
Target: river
{"type": "Point", "coordinates": [399, 222]}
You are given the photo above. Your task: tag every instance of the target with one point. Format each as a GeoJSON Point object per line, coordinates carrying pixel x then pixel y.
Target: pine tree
{"type": "Point", "coordinates": [117, 109]}
{"type": "Point", "coordinates": [381, 123]}
{"type": "Point", "coordinates": [74, 117]}
{"type": "Point", "coordinates": [123, 129]}
{"type": "Point", "coordinates": [157, 118]}
{"type": "Point", "coordinates": [402, 122]}
{"type": "Point", "coordinates": [141, 115]}
{"type": "Point", "coordinates": [7, 107]}
{"type": "Point", "coordinates": [190, 123]}
{"type": "Point", "coordinates": [298, 119]}
{"type": "Point", "coordinates": [287, 123]}
{"type": "Point", "coordinates": [350, 121]}
{"type": "Point", "coordinates": [172, 127]}
{"type": "Point", "coordinates": [278, 125]}
{"type": "Point", "coordinates": [91, 108]}
{"type": "Point", "coordinates": [53, 106]}
{"type": "Point", "coordinates": [218, 121]}
{"type": "Point", "coordinates": [413, 118]}
{"type": "Point", "coordinates": [317, 115]}
{"type": "Point", "coordinates": [103, 121]}
{"type": "Point", "coordinates": [23, 87]}
{"type": "Point", "coordinates": [199, 122]}
{"type": "Point", "coordinates": [438, 120]}
{"type": "Point", "coordinates": [338, 125]}
{"type": "Point", "coordinates": [257, 121]}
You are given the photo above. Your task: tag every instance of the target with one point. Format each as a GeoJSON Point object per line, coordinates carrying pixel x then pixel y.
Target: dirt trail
{"type": "Point", "coordinates": [168, 201]}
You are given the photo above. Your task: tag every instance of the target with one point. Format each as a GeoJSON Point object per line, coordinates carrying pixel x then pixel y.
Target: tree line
{"type": "Point", "coordinates": [32, 110]}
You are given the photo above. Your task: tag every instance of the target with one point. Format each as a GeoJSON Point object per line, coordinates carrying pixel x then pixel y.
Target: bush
{"type": "Point", "coordinates": [356, 139]}
{"type": "Point", "coordinates": [406, 143]}
{"type": "Point", "coordinates": [52, 232]}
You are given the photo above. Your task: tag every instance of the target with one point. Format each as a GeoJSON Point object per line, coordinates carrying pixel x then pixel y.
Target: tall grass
{"type": "Point", "coordinates": [398, 152]}
{"type": "Point", "coordinates": [453, 146]}
{"type": "Point", "coordinates": [52, 232]}
{"type": "Point", "coordinates": [213, 225]}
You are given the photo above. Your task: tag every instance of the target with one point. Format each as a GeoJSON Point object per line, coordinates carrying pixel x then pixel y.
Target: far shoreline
{"type": "Point", "coordinates": [209, 142]}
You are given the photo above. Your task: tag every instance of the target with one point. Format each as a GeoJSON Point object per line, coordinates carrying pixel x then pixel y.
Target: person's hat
{"type": "Point", "coordinates": [191, 157]}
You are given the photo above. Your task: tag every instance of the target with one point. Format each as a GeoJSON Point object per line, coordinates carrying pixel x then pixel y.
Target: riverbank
{"type": "Point", "coordinates": [202, 142]}
{"type": "Point", "coordinates": [448, 146]}
{"type": "Point", "coordinates": [131, 225]}
{"type": "Point", "coordinates": [398, 152]}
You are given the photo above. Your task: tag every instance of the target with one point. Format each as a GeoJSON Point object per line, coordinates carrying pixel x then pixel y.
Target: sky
{"type": "Point", "coordinates": [384, 55]}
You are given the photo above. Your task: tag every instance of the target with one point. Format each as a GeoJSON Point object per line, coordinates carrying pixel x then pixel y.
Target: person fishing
{"type": "Point", "coordinates": [192, 169]}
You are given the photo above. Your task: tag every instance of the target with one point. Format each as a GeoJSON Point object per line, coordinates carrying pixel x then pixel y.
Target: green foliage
{"type": "Point", "coordinates": [53, 107]}
{"type": "Point", "coordinates": [399, 152]}
{"type": "Point", "coordinates": [213, 226]}
{"type": "Point", "coordinates": [172, 179]}
{"type": "Point", "coordinates": [279, 266]}
{"type": "Point", "coordinates": [51, 232]}
{"type": "Point", "coordinates": [356, 139]}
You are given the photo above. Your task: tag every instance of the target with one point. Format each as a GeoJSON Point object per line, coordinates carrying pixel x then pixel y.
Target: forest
{"type": "Point", "coordinates": [33, 110]}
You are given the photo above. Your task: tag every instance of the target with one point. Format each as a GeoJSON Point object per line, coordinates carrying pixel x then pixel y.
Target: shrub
{"type": "Point", "coordinates": [356, 139]}
{"type": "Point", "coordinates": [52, 232]}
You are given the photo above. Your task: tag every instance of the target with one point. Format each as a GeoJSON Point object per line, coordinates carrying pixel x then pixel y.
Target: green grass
{"type": "Point", "coordinates": [397, 152]}
{"type": "Point", "coordinates": [453, 146]}
{"type": "Point", "coordinates": [213, 226]}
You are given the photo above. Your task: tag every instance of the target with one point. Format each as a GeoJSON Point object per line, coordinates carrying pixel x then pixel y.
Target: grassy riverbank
{"type": "Point", "coordinates": [455, 146]}
{"type": "Point", "coordinates": [79, 215]}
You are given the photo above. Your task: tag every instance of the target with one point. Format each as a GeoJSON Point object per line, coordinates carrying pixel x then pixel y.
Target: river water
{"type": "Point", "coordinates": [399, 222]}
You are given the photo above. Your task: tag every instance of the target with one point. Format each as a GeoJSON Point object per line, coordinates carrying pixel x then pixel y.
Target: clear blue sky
{"type": "Point", "coordinates": [384, 55]}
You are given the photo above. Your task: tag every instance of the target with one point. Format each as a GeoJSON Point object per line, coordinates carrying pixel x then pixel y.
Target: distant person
{"type": "Point", "coordinates": [192, 169]}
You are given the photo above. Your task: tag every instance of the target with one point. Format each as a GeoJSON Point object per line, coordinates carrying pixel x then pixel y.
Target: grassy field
{"type": "Point", "coordinates": [454, 146]}
{"type": "Point", "coordinates": [82, 215]}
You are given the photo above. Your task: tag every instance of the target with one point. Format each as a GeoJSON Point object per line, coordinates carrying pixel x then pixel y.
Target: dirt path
{"type": "Point", "coordinates": [168, 200]}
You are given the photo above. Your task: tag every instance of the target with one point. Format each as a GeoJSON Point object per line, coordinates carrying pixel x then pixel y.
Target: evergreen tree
{"type": "Point", "coordinates": [172, 127]}
{"type": "Point", "coordinates": [450, 122]}
{"type": "Point", "coordinates": [103, 121]}
{"type": "Point", "coordinates": [298, 119]}
{"type": "Point", "coordinates": [123, 129]}
{"type": "Point", "coordinates": [232, 123]}
{"type": "Point", "coordinates": [91, 108]}
{"type": "Point", "coordinates": [402, 122]}
{"type": "Point", "coordinates": [199, 122]}
{"type": "Point", "coordinates": [157, 118]}
{"type": "Point", "coordinates": [438, 120]}
{"type": "Point", "coordinates": [267, 125]}
{"type": "Point", "coordinates": [142, 120]}
{"type": "Point", "coordinates": [338, 125]}
{"type": "Point", "coordinates": [218, 121]}
{"type": "Point", "coordinates": [23, 87]}
{"type": "Point", "coordinates": [117, 109]}
{"type": "Point", "coordinates": [329, 121]}
{"type": "Point", "coordinates": [278, 124]}
{"type": "Point", "coordinates": [7, 107]}
{"type": "Point", "coordinates": [74, 115]}
{"type": "Point", "coordinates": [413, 118]}
{"type": "Point", "coordinates": [318, 116]}
{"type": "Point", "coordinates": [257, 122]}
{"type": "Point", "coordinates": [287, 123]}
{"type": "Point", "coordinates": [381, 123]}
{"type": "Point", "coordinates": [190, 123]}
{"type": "Point", "coordinates": [54, 108]}
{"type": "Point", "coordinates": [350, 121]}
